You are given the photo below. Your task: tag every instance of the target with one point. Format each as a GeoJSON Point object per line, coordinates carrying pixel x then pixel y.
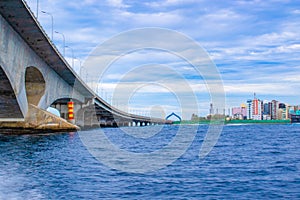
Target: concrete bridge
{"type": "Point", "coordinates": [35, 76]}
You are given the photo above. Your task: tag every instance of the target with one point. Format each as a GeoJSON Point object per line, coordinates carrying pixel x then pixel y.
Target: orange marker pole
{"type": "Point", "coordinates": [70, 110]}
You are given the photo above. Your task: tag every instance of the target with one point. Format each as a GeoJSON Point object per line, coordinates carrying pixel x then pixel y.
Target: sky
{"type": "Point", "coordinates": [254, 44]}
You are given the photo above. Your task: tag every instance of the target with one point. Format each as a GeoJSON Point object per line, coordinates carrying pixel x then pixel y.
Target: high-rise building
{"type": "Point", "coordinates": [274, 109]}
{"type": "Point", "coordinates": [266, 110]}
{"type": "Point", "coordinates": [211, 109]}
{"type": "Point", "coordinates": [256, 109]}
{"type": "Point", "coordinates": [249, 110]}
{"type": "Point", "coordinates": [282, 111]}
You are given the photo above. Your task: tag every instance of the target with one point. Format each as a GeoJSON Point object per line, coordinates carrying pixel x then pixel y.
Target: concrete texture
{"type": "Point", "coordinates": [8, 102]}
{"type": "Point", "coordinates": [26, 78]}
{"type": "Point", "coordinates": [40, 120]}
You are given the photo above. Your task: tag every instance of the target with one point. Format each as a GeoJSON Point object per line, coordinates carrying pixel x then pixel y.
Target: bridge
{"type": "Point", "coordinates": [35, 76]}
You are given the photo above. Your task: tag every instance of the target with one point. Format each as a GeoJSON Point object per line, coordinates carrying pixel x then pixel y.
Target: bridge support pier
{"type": "Point", "coordinates": [86, 115]}
{"type": "Point", "coordinates": [40, 121]}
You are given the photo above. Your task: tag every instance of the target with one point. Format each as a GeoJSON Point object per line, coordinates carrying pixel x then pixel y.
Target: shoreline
{"type": "Point", "coordinates": [236, 121]}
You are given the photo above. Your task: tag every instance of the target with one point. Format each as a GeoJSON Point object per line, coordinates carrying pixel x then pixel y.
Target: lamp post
{"type": "Point", "coordinates": [51, 23]}
{"type": "Point", "coordinates": [64, 41]}
{"type": "Point", "coordinates": [81, 72]}
{"type": "Point", "coordinates": [102, 93]}
{"type": "Point", "coordinates": [37, 9]}
{"type": "Point", "coordinates": [72, 55]}
{"type": "Point", "coordinates": [97, 88]}
{"type": "Point", "coordinates": [79, 65]}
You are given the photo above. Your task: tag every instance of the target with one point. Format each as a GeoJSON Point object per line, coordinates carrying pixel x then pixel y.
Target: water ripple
{"type": "Point", "coordinates": [248, 162]}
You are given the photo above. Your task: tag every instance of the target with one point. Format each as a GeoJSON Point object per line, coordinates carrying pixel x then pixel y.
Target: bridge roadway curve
{"type": "Point", "coordinates": [18, 15]}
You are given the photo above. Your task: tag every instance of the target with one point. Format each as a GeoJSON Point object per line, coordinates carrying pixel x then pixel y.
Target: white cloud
{"type": "Point", "coordinates": [255, 46]}
{"type": "Point", "coordinates": [168, 3]}
{"type": "Point", "coordinates": [288, 48]}
{"type": "Point", "coordinates": [274, 38]}
{"type": "Point", "coordinates": [163, 19]}
{"type": "Point", "coordinates": [276, 89]}
{"type": "Point", "coordinates": [117, 3]}
{"type": "Point", "coordinates": [223, 15]}
{"type": "Point", "coordinates": [297, 12]}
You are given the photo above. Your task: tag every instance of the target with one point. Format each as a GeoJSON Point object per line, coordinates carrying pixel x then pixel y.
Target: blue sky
{"type": "Point", "coordinates": [254, 44]}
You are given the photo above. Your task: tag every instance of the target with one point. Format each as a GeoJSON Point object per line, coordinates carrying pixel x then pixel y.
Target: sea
{"type": "Point", "coordinates": [246, 162]}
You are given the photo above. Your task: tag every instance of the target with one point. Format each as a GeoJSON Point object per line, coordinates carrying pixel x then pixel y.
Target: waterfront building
{"type": "Point", "coordinates": [291, 110]}
{"type": "Point", "coordinates": [239, 112]}
{"type": "Point", "coordinates": [288, 109]}
{"type": "Point", "coordinates": [266, 117]}
{"type": "Point", "coordinates": [249, 109]}
{"type": "Point", "coordinates": [282, 111]}
{"type": "Point", "coordinates": [270, 108]}
{"type": "Point", "coordinates": [256, 109]}
{"type": "Point", "coordinates": [294, 113]}
{"type": "Point", "coordinates": [274, 109]}
{"type": "Point", "coordinates": [194, 117]}
{"type": "Point", "coordinates": [211, 109]}
{"type": "Point", "coordinates": [266, 107]}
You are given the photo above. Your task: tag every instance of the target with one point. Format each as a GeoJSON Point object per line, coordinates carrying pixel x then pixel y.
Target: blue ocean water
{"type": "Point", "coordinates": [248, 162]}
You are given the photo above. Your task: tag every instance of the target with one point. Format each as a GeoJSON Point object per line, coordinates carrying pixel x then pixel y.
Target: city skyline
{"type": "Point", "coordinates": [254, 44]}
{"type": "Point", "coordinates": [259, 109]}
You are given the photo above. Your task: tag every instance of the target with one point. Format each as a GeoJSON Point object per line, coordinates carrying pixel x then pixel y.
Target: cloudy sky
{"type": "Point", "coordinates": [255, 45]}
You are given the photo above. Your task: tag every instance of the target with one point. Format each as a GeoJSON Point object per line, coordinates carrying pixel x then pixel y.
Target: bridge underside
{"type": "Point", "coordinates": [9, 107]}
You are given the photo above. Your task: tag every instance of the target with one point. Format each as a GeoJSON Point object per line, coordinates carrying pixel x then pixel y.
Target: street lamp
{"type": "Point", "coordinates": [37, 9]}
{"type": "Point", "coordinates": [51, 21]}
{"type": "Point", "coordinates": [97, 90]}
{"type": "Point", "coordinates": [81, 71]}
{"type": "Point", "coordinates": [64, 41]}
{"type": "Point", "coordinates": [79, 65]}
{"type": "Point", "coordinates": [82, 74]}
{"type": "Point", "coordinates": [72, 56]}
